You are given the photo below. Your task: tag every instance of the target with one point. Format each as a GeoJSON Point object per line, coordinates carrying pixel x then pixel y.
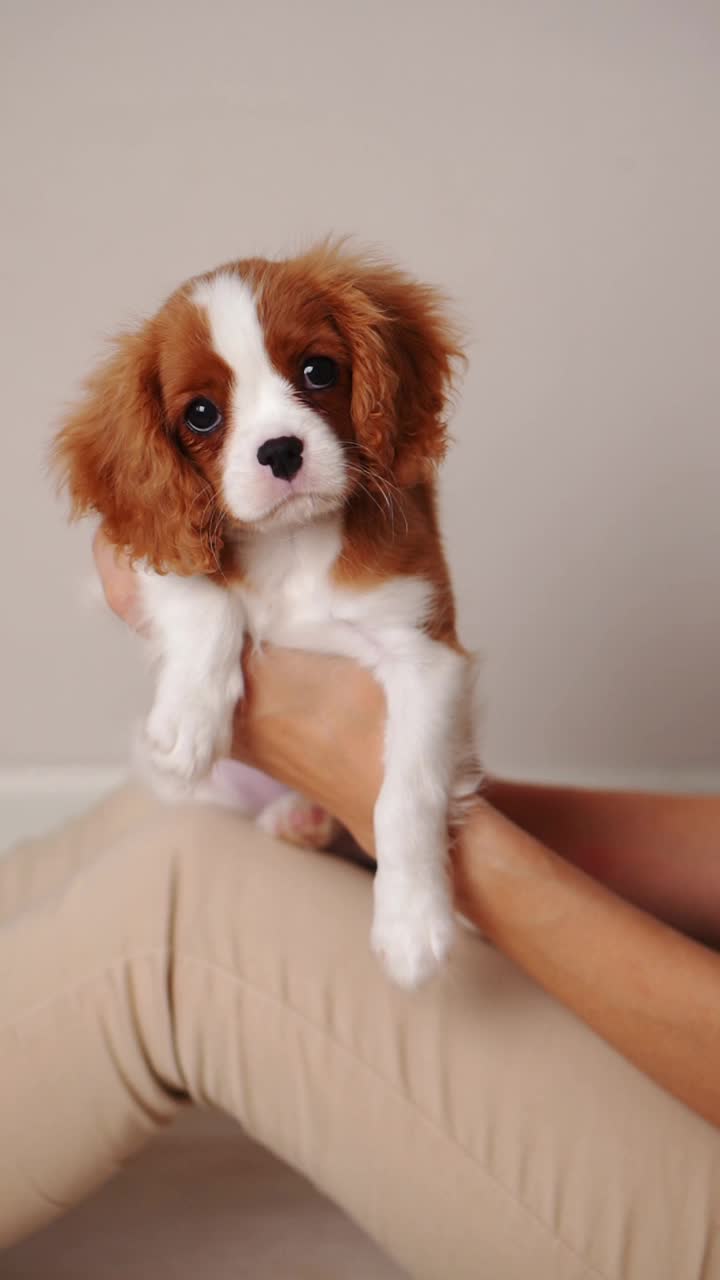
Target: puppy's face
{"type": "Point", "coordinates": [256, 384]}
{"type": "Point", "coordinates": [262, 394]}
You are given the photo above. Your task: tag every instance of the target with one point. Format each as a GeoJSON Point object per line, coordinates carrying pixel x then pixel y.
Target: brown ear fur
{"type": "Point", "coordinates": [116, 457]}
{"type": "Point", "coordinates": [405, 351]}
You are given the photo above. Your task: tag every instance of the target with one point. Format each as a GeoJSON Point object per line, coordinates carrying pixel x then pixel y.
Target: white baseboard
{"type": "Point", "coordinates": [36, 799]}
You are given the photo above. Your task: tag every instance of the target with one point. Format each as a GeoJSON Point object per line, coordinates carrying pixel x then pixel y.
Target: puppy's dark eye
{"type": "Point", "coordinates": [202, 416]}
{"type": "Point", "coordinates": [319, 372]}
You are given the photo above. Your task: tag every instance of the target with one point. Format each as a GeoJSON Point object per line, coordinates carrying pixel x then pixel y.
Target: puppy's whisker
{"type": "Point", "coordinates": [203, 493]}
{"type": "Point", "coordinates": [368, 492]}
{"type": "Point", "coordinates": [390, 493]}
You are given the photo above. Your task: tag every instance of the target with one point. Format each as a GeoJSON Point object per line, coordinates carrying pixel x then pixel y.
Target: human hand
{"type": "Point", "coordinates": [315, 723]}
{"type": "Point", "coordinates": [117, 579]}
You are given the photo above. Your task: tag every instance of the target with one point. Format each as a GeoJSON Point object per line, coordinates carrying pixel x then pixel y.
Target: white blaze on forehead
{"type": "Point", "coordinates": [263, 404]}
{"type": "Point", "coordinates": [235, 329]}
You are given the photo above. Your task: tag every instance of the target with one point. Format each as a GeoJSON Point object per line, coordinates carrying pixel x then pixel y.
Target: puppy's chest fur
{"type": "Point", "coordinates": [287, 583]}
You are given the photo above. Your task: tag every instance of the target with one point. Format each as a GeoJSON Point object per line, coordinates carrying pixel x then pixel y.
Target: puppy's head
{"type": "Point", "coordinates": [261, 394]}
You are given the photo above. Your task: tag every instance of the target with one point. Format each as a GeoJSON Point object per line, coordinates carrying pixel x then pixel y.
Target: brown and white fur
{"type": "Point", "coordinates": [339, 552]}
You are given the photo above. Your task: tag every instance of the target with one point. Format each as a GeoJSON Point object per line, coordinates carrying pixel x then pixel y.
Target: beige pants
{"type": "Point", "coordinates": [474, 1128]}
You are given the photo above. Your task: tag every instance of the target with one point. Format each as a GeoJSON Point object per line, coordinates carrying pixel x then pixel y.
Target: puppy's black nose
{"type": "Point", "coordinates": [283, 455]}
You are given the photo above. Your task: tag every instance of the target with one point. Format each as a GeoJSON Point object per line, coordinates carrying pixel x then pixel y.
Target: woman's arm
{"type": "Point", "coordinates": [317, 724]}
{"type": "Point", "coordinates": [649, 991]}
{"type": "Point", "coordinates": [661, 852]}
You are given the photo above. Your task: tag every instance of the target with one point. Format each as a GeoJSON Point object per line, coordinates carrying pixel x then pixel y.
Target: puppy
{"type": "Point", "coordinates": [265, 448]}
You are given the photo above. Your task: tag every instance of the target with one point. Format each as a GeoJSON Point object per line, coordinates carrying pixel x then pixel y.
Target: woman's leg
{"type": "Point", "coordinates": [37, 866]}
{"type": "Point", "coordinates": [473, 1127]}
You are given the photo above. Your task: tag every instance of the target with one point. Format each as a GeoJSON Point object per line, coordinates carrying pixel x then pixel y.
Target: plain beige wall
{"type": "Point", "coordinates": [556, 166]}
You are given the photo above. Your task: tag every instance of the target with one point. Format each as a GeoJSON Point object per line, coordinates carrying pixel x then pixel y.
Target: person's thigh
{"type": "Point", "coordinates": [474, 1127]}
{"type": "Point", "coordinates": [35, 867]}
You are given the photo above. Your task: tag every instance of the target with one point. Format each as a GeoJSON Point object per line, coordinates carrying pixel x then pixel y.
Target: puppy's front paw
{"type": "Point", "coordinates": [413, 924]}
{"type": "Point", "coordinates": [184, 735]}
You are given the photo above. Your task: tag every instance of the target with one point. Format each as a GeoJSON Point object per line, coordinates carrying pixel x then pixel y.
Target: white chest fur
{"type": "Point", "coordinates": [287, 590]}
{"type": "Point", "coordinates": [288, 596]}
{"type": "Point", "coordinates": [286, 579]}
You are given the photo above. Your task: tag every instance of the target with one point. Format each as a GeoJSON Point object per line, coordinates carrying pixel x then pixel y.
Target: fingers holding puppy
{"type": "Point", "coordinates": [118, 580]}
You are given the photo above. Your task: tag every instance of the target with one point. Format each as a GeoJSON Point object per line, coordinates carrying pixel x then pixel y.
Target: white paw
{"type": "Point", "coordinates": [413, 924]}
{"type": "Point", "coordinates": [291, 817]}
{"type": "Point", "coordinates": [183, 736]}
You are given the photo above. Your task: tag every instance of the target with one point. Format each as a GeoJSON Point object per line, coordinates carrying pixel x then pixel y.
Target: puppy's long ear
{"type": "Point", "coordinates": [116, 457]}
{"type": "Point", "coordinates": [405, 353]}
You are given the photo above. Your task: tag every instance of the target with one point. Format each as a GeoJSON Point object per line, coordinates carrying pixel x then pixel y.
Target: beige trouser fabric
{"type": "Point", "coordinates": [474, 1128]}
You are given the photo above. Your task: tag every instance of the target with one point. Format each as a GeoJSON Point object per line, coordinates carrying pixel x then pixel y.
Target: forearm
{"type": "Point", "coordinates": [650, 992]}
{"type": "Point", "coordinates": [661, 852]}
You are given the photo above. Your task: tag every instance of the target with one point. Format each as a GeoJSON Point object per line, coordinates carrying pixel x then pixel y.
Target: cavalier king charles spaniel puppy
{"type": "Point", "coordinates": [265, 449]}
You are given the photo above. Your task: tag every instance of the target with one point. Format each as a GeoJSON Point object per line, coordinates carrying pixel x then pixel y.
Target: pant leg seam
{"type": "Point", "coordinates": [253, 988]}
{"type": "Point", "coordinates": [271, 996]}
{"type": "Point", "coordinates": [97, 975]}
